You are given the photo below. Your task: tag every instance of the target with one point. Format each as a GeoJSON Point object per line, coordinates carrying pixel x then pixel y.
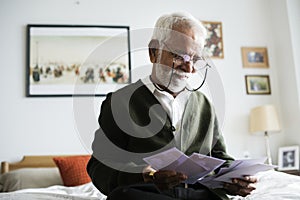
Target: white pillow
{"type": "Point", "coordinates": [29, 178]}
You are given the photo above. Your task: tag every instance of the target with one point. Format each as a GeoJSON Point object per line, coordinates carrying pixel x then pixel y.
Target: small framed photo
{"type": "Point", "coordinates": [255, 57]}
{"type": "Point", "coordinates": [258, 84]}
{"type": "Point", "coordinates": [76, 60]}
{"type": "Point", "coordinates": [214, 42]}
{"type": "Point", "coordinates": [288, 158]}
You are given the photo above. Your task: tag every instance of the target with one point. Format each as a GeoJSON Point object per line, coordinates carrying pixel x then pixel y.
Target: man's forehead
{"type": "Point", "coordinates": [183, 45]}
{"type": "Point", "coordinates": [183, 40]}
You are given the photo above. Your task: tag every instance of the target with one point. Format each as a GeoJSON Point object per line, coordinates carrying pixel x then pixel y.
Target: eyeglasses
{"type": "Point", "coordinates": [198, 62]}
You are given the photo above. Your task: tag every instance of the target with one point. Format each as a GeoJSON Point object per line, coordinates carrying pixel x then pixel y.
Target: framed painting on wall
{"type": "Point", "coordinates": [214, 41]}
{"type": "Point", "coordinates": [76, 60]}
{"type": "Point", "coordinates": [258, 84]}
{"type": "Point", "coordinates": [255, 57]}
{"type": "Point", "coordinates": [288, 158]}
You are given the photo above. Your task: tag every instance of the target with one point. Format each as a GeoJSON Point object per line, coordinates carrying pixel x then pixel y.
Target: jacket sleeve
{"type": "Point", "coordinates": [104, 175]}
{"type": "Point", "coordinates": [219, 149]}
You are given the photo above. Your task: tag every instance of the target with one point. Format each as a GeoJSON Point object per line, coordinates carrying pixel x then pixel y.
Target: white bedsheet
{"type": "Point", "coordinates": [272, 185]}
{"type": "Point", "coordinates": [82, 192]}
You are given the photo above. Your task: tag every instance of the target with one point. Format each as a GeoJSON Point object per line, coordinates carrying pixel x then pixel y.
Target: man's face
{"type": "Point", "coordinates": [180, 43]}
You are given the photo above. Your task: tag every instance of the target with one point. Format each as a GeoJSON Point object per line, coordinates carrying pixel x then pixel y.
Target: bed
{"type": "Point", "coordinates": [41, 177]}
{"type": "Point", "coordinates": [47, 177]}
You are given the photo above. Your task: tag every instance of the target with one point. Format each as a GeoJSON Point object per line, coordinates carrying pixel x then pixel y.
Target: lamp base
{"type": "Point", "coordinates": [268, 148]}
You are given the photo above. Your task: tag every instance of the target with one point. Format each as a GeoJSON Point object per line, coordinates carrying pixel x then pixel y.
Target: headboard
{"type": "Point", "coordinates": [30, 162]}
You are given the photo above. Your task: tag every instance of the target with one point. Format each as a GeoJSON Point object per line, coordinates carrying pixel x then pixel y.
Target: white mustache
{"type": "Point", "coordinates": [181, 74]}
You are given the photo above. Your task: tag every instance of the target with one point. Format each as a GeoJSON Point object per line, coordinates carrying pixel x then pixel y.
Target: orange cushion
{"type": "Point", "coordinates": [73, 169]}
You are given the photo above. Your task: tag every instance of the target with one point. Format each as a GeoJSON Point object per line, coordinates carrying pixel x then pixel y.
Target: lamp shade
{"type": "Point", "coordinates": [264, 118]}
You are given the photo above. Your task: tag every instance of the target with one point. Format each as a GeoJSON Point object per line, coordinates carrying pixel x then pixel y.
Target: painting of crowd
{"type": "Point", "coordinates": [86, 74]}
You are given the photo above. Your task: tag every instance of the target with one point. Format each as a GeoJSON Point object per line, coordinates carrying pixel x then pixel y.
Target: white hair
{"type": "Point", "coordinates": [166, 24]}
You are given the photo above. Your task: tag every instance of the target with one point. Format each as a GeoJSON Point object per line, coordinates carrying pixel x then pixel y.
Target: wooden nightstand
{"type": "Point", "coordinates": [293, 172]}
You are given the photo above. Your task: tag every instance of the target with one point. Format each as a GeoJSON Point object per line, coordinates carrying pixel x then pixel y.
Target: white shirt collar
{"type": "Point", "coordinates": [152, 88]}
{"type": "Point", "coordinates": [148, 84]}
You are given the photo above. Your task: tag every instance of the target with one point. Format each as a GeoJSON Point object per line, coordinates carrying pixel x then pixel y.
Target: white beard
{"type": "Point", "coordinates": [163, 75]}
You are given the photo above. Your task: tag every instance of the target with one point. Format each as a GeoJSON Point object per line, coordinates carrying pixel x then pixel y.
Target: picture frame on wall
{"type": "Point", "coordinates": [76, 60]}
{"type": "Point", "coordinates": [255, 57]}
{"type": "Point", "coordinates": [258, 84]}
{"type": "Point", "coordinates": [214, 42]}
{"type": "Point", "coordinates": [288, 158]}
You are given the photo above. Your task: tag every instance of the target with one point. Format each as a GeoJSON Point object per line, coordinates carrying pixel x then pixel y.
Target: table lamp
{"type": "Point", "coordinates": [264, 119]}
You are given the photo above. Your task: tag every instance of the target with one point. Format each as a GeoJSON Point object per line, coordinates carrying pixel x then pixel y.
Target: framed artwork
{"type": "Point", "coordinates": [288, 158]}
{"type": "Point", "coordinates": [214, 41]}
{"type": "Point", "coordinates": [258, 84]}
{"type": "Point", "coordinates": [76, 60]}
{"type": "Point", "coordinates": [255, 57]}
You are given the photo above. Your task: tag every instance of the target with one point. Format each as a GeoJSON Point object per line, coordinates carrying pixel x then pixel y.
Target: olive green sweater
{"type": "Point", "coordinates": [133, 125]}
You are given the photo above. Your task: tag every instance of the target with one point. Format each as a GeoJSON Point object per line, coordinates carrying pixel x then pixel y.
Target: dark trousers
{"type": "Point", "coordinates": [150, 192]}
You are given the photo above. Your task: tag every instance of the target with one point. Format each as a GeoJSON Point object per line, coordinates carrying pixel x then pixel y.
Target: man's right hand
{"type": "Point", "coordinates": [166, 179]}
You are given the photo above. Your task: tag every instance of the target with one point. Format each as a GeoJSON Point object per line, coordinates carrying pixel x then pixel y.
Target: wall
{"type": "Point", "coordinates": [287, 38]}
{"type": "Point", "coordinates": [293, 8]}
{"type": "Point", "coordinates": [31, 126]}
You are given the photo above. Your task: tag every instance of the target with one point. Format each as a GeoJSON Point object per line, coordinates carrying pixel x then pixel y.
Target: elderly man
{"type": "Point", "coordinates": [156, 113]}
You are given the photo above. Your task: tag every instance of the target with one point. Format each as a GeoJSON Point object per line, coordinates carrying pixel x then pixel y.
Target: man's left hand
{"type": "Point", "coordinates": [241, 187]}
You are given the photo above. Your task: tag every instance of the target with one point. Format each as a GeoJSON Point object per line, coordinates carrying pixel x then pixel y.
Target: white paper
{"type": "Point", "coordinates": [237, 164]}
{"type": "Point", "coordinates": [165, 159]}
{"type": "Point", "coordinates": [195, 167]}
{"type": "Point", "coordinates": [237, 169]}
{"type": "Point", "coordinates": [243, 171]}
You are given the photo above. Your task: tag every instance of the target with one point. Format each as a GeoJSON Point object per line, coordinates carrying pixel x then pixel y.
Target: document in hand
{"type": "Point", "coordinates": [237, 169]}
{"type": "Point", "coordinates": [198, 166]}
{"type": "Point", "coordinates": [195, 166]}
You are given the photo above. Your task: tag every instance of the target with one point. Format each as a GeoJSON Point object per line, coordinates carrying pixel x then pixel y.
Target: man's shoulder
{"type": "Point", "coordinates": [127, 92]}
{"type": "Point", "coordinates": [129, 87]}
{"type": "Point", "coordinates": [200, 97]}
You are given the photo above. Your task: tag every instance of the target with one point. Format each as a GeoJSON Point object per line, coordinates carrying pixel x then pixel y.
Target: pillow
{"type": "Point", "coordinates": [73, 169]}
{"type": "Point", "coordinates": [29, 178]}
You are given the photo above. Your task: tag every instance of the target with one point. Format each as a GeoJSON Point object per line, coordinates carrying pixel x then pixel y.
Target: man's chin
{"type": "Point", "coordinates": [176, 89]}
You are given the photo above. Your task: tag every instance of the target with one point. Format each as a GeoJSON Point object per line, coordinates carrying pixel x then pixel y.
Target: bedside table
{"type": "Point", "coordinates": [292, 172]}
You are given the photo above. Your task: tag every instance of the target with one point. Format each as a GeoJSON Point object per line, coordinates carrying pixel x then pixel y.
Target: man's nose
{"type": "Point", "coordinates": [187, 67]}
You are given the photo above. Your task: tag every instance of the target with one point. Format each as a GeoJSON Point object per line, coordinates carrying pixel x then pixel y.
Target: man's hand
{"type": "Point", "coordinates": [167, 179]}
{"type": "Point", "coordinates": [241, 187]}
{"type": "Point", "coordinates": [163, 179]}
{"type": "Point", "coordinates": [148, 173]}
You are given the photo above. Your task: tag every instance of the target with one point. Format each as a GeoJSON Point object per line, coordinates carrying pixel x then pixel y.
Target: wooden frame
{"type": "Point", "coordinates": [258, 84]}
{"type": "Point", "coordinates": [30, 162]}
{"type": "Point", "coordinates": [255, 57]}
{"type": "Point", "coordinates": [214, 42]}
{"type": "Point", "coordinates": [288, 158]}
{"type": "Point", "coordinates": [76, 60]}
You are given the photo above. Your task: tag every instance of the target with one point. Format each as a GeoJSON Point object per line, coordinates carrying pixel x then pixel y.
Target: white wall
{"type": "Point", "coordinates": [294, 19]}
{"type": "Point", "coordinates": [287, 38]}
{"type": "Point", "coordinates": [31, 126]}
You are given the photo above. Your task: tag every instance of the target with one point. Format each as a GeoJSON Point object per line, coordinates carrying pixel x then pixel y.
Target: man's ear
{"type": "Point", "coordinates": [153, 50]}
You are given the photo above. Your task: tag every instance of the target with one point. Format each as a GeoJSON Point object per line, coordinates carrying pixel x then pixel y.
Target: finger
{"type": "Point", "coordinates": [182, 176]}
{"type": "Point", "coordinates": [164, 174]}
{"type": "Point", "coordinates": [168, 174]}
{"type": "Point", "coordinates": [148, 169]}
{"type": "Point", "coordinates": [244, 183]}
{"type": "Point", "coordinates": [244, 192]}
{"type": "Point", "coordinates": [237, 190]}
{"type": "Point", "coordinates": [169, 179]}
{"type": "Point", "coordinates": [251, 179]}
{"type": "Point", "coordinates": [167, 182]}
{"type": "Point", "coordinates": [236, 187]}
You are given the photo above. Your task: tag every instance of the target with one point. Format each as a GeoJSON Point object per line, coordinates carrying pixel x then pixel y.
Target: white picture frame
{"type": "Point", "coordinates": [288, 158]}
